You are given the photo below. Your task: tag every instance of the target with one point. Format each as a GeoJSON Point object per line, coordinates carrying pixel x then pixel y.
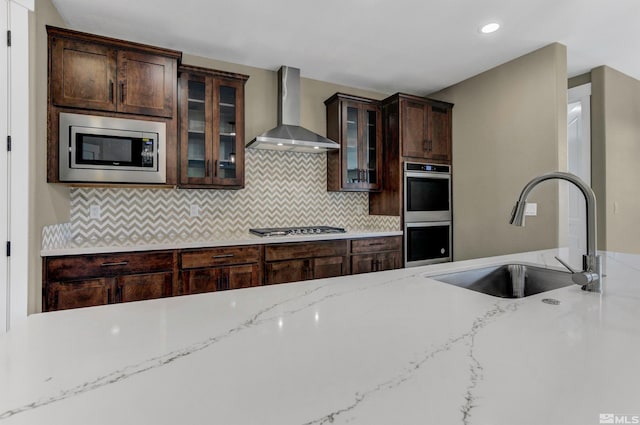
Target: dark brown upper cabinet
{"type": "Point", "coordinates": [211, 135]}
{"type": "Point", "coordinates": [416, 129]}
{"type": "Point", "coordinates": [103, 74]}
{"type": "Point", "coordinates": [425, 129]}
{"type": "Point", "coordinates": [356, 124]}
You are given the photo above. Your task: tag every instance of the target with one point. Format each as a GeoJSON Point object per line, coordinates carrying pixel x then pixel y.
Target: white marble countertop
{"type": "Point", "coordinates": [206, 240]}
{"type": "Point", "coordinates": [391, 347]}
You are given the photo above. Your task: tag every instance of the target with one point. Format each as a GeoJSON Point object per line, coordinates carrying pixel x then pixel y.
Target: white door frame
{"type": "Point", "coordinates": [4, 171]}
{"type": "Point", "coordinates": [579, 163]}
{"type": "Point", "coordinates": [14, 219]}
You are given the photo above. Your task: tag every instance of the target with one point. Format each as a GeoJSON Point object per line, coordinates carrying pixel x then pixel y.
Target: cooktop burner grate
{"type": "Point", "coordinates": [295, 231]}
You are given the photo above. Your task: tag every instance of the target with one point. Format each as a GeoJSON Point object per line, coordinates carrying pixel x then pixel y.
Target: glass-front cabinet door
{"type": "Point", "coordinates": [197, 148]}
{"type": "Point", "coordinates": [229, 156]}
{"type": "Point", "coordinates": [211, 128]}
{"type": "Point", "coordinates": [371, 147]}
{"type": "Point", "coordinates": [355, 123]}
{"type": "Point", "coordinates": [351, 154]}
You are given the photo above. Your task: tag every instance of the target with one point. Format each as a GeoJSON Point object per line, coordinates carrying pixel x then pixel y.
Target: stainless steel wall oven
{"type": "Point", "coordinates": [427, 214]}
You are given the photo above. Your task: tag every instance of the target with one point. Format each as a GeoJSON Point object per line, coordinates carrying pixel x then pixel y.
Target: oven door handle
{"type": "Point", "coordinates": [427, 174]}
{"type": "Point", "coordinates": [428, 223]}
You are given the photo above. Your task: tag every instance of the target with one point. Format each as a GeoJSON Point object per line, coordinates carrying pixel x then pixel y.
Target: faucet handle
{"type": "Point", "coordinates": [565, 264]}
{"type": "Point", "coordinates": [580, 278]}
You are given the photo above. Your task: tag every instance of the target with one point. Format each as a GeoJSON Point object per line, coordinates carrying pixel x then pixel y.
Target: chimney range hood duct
{"type": "Point", "coordinates": [288, 135]}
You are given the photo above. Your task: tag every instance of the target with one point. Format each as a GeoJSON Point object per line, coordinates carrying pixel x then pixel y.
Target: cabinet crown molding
{"type": "Point", "coordinates": [129, 45]}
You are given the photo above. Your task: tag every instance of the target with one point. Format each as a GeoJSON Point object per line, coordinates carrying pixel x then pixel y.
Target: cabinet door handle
{"type": "Point", "coordinates": [206, 170]}
{"type": "Point", "coordinates": [376, 244]}
{"type": "Point", "coordinates": [226, 281]}
{"type": "Point", "coordinates": [121, 91]}
{"type": "Point", "coordinates": [373, 265]}
{"type": "Point", "coordinates": [108, 296]}
{"type": "Point", "coordinates": [118, 294]}
{"type": "Point", "coordinates": [110, 90]}
{"type": "Point", "coordinates": [215, 168]}
{"type": "Point", "coordinates": [120, 263]}
{"type": "Point", "coordinates": [223, 256]}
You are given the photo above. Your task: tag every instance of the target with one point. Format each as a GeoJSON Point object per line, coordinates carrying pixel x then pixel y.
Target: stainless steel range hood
{"type": "Point", "coordinates": [288, 135]}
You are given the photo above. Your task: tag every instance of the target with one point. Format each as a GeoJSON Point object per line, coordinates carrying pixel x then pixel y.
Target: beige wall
{"type": "Point", "coordinates": [579, 80]}
{"type": "Point", "coordinates": [615, 158]}
{"type": "Point", "coordinates": [49, 203]}
{"type": "Point", "coordinates": [509, 125]}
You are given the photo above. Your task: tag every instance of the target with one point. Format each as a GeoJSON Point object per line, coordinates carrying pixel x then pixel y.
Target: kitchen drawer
{"type": "Point", "coordinates": [287, 251]}
{"type": "Point", "coordinates": [220, 256]}
{"type": "Point", "coordinates": [387, 243]}
{"type": "Point", "coordinates": [106, 265]}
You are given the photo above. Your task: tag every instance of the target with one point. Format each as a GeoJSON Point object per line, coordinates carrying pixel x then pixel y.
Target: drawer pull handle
{"type": "Point", "coordinates": [377, 244]}
{"type": "Point", "coordinates": [223, 256]}
{"type": "Point", "coordinates": [121, 263]}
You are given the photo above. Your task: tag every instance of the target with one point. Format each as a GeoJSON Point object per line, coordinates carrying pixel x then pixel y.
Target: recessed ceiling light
{"type": "Point", "coordinates": [489, 28]}
{"type": "Point", "coordinates": [316, 147]}
{"type": "Point", "coordinates": [279, 144]}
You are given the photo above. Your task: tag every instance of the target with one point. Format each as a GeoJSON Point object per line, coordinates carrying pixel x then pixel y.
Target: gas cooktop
{"type": "Point", "coordinates": [296, 231]}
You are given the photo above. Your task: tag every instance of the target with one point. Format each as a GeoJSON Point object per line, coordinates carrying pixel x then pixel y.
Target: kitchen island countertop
{"type": "Point", "coordinates": [392, 347]}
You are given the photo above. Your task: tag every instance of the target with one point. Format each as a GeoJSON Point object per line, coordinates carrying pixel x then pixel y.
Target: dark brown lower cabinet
{"type": "Point", "coordinates": [287, 271]}
{"type": "Point", "coordinates": [292, 262]}
{"type": "Point", "coordinates": [218, 269]}
{"type": "Point", "coordinates": [376, 262]}
{"type": "Point", "coordinates": [122, 289]}
{"type": "Point", "coordinates": [89, 280]}
{"type": "Point", "coordinates": [220, 278]}
{"type": "Point", "coordinates": [328, 267]}
{"type": "Point", "coordinates": [144, 287]}
{"type": "Point", "coordinates": [376, 254]}
{"type": "Point", "coordinates": [76, 294]}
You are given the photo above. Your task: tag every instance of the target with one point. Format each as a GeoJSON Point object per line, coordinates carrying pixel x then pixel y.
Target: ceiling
{"type": "Point", "coordinates": [415, 46]}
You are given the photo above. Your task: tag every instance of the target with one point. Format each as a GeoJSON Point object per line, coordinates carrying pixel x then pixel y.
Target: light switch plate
{"type": "Point", "coordinates": [194, 211]}
{"type": "Point", "coordinates": [531, 208]}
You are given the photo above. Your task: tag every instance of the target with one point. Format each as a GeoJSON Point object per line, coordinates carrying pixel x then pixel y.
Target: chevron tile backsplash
{"type": "Point", "coordinates": [281, 189]}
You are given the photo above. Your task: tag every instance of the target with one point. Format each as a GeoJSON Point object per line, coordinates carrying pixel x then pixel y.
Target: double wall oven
{"type": "Point", "coordinates": [427, 214]}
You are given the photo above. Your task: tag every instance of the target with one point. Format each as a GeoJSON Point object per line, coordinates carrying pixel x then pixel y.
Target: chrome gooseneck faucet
{"type": "Point", "coordinates": [590, 278]}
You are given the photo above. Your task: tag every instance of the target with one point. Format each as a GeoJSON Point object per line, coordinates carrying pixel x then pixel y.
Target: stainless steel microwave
{"type": "Point", "coordinates": [111, 150]}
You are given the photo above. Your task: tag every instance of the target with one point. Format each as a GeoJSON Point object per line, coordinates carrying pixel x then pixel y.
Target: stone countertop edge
{"type": "Point", "coordinates": [231, 239]}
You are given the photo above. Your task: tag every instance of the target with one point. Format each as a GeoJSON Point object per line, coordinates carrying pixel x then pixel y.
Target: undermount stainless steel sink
{"type": "Point", "coordinates": [508, 280]}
